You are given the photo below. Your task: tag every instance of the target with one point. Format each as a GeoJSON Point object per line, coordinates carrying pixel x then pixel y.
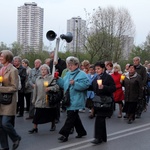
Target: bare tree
{"type": "Point", "coordinates": [108, 28]}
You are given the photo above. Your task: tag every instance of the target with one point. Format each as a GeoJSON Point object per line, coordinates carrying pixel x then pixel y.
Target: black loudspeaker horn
{"type": "Point", "coordinates": [51, 35]}
{"type": "Point", "coordinates": [68, 37]}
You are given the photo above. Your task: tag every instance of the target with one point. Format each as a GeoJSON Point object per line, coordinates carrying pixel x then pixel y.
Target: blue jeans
{"type": "Point", "coordinates": [7, 129]}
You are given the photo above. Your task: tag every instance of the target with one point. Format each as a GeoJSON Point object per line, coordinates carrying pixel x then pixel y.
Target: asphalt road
{"type": "Point", "coordinates": [121, 136]}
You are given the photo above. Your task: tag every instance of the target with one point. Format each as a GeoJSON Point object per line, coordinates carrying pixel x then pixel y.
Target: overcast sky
{"type": "Point", "coordinates": [57, 12]}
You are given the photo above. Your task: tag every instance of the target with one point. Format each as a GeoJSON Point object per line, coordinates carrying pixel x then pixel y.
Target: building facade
{"type": "Point", "coordinates": [30, 27]}
{"type": "Point", "coordinates": [127, 46]}
{"type": "Point", "coordinates": [77, 27]}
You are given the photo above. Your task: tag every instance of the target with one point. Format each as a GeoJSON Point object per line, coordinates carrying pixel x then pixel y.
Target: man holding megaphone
{"type": "Point", "coordinates": [60, 65]}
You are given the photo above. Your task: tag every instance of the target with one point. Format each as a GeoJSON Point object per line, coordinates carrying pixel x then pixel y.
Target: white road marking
{"type": "Point", "coordinates": [131, 132]}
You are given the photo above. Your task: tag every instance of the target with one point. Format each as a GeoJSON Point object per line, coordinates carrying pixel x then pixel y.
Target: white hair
{"type": "Point", "coordinates": [45, 66]}
{"type": "Point", "coordinates": [68, 58]}
{"type": "Point", "coordinates": [73, 60]}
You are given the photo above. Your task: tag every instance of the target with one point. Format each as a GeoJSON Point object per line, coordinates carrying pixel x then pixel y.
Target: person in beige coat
{"type": "Point", "coordinates": [8, 112]}
{"type": "Point", "coordinates": [44, 113]}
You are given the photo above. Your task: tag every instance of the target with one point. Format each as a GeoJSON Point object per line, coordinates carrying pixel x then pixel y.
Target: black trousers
{"type": "Point", "coordinates": [141, 104]}
{"type": "Point", "coordinates": [20, 104]}
{"type": "Point", "coordinates": [58, 111]}
{"type": "Point", "coordinates": [100, 128]}
{"type": "Point", "coordinates": [73, 120]}
{"type": "Point", "coordinates": [32, 108]}
{"type": "Point", "coordinates": [28, 98]}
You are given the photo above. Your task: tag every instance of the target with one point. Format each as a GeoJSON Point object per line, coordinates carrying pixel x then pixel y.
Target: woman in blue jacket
{"type": "Point", "coordinates": [79, 83]}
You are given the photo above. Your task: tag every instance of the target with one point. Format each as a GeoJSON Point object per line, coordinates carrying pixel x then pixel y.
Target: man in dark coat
{"type": "Point", "coordinates": [60, 65]}
{"type": "Point", "coordinates": [22, 73]}
{"type": "Point", "coordinates": [141, 70]}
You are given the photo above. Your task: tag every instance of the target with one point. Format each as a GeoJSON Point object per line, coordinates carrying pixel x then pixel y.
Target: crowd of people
{"type": "Point", "coordinates": [129, 89]}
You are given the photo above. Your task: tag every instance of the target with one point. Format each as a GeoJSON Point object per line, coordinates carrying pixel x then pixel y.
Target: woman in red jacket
{"type": "Point", "coordinates": [118, 94]}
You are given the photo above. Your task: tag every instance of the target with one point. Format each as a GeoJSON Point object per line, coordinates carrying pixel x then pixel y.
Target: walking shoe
{"type": "Point", "coordinates": [80, 135]}
{"type": "Point", "coordinates": [125, 116]}
{"type": "Point", "coordinates": [16, 144]}
{"type": "Point", "coordinates": [130, 121]}
{"type": "Point", "coordinates": [63, 139]}
{"type": "Point", "coordinates": [53, 128]}
{"type": "Point", "coordinates": [33, 130]}
{"type": "Point", "coordinates": [97, 141]}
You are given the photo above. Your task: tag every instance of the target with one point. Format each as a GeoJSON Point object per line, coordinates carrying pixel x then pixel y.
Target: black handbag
{"type": "Point", "coordinates": [102, 102]}
{"type": "Point", "coordinates": [53, 98]}
{"type": "Point", "coordinates": [6, 98]}
{"type": "Point", "coordinates": [66, 98]}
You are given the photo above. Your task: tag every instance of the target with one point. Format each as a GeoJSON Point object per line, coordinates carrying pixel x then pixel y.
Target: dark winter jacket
{"type": "Point", "coordinates": [22, 73]}
{"type": "Point", "coordinates": [61, 65]}
{"type": "Point", "coordinates": [133, 88]}
{"type": "Point", "coordinates": [109, 88]}
{"type": "Point", "coordinates": [141, 70]}
{"type": "Point", "coordinates": [109, 85]}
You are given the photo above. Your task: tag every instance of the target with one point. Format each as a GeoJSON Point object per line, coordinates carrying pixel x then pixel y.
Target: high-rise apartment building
{"type": "Point", "coordinates": [77, 27]}
{"type": "Point", "coordinates": [127, 46]}
{"type": "Point", "coordinates": [30, 27]}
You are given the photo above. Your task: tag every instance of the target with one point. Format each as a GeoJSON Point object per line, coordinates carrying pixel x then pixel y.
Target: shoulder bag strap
{"type": "Point", "coordinates": [72, 79]}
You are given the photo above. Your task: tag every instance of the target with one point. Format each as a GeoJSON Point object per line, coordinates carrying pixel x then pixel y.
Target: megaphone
{"type": "Point", "coordinates": [68, 37]}
{"type": "Point", "coordinates": [51, 35]}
